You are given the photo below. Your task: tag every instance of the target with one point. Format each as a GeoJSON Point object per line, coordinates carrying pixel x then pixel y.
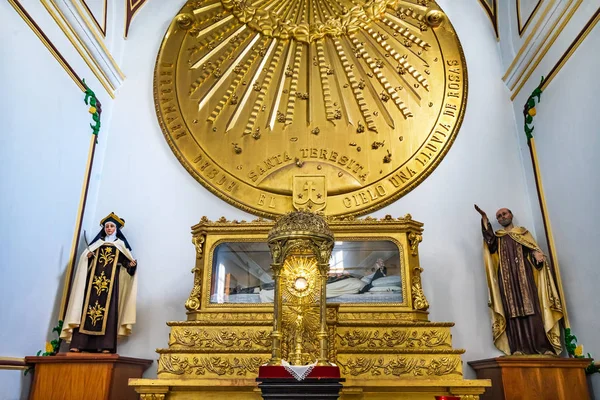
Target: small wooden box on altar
{"type": "Point", "coordinates": [531, 377]}
{"type": "Point", "coordinates": [85, 376]}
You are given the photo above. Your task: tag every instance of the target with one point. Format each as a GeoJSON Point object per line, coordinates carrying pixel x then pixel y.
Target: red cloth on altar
{"type": "Point", "coordinates": [279, 371]}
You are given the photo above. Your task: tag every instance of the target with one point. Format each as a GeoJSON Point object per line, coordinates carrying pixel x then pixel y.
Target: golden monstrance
{"type": "Point", "coordinates": [335, 106]}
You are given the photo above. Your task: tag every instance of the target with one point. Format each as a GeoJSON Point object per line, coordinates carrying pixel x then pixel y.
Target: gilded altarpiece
{"type": "Point", "coordinates": [379, 332]}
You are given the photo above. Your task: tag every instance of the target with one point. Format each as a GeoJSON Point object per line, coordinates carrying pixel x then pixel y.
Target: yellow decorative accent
{"type": "Point", "coordinates": [528, 40]}
{"type": "Point", "coordinates": [96, 313]}
{"type": "Point", "coordinates": [532, 112]}
{"type": "Point", "coordinates": [298, 91]}
{"type": "Point", "coordinates": [49, 348]}
{"type": "Point", "coordinates": [81, 48]}
{"type": "Point", "coordinates": [106, 256]}
{"type": "Point", "coordinates": [415, 239]}
{"type": "Point", "coordinates": [220, 366]}
{"type": "Point", "coordinates": [19, 9]}
{"type": "Point", "coordinates": [579, 350]}
{"type": "Point", "coordinates": [221, 338]}
{"type": "Point", "coordinates": [101, 283]}
{"type": "Point", "coordinates": [92, 110]}
{"type": "Point", "coordinates": [401, 366]}
{"type": "Point", "coordinates": [114, 216]}
{"type": "Point", "coordinates": [99, 39]}
{"type": "Point", "coordinates": [395, 338]}
{"type": "Point", "coordinates": [552, 35]}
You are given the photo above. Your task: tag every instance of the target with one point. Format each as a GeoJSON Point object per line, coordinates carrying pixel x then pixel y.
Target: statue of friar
{"type": "Point", "coordinates": [524, 303]}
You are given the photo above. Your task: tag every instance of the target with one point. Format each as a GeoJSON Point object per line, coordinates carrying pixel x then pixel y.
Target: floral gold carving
{"type": "Point", "coordinates": [401, 366]}
{"type": "Point", "coordinates": [197, 365]}
{"type": "Point", "coordinates": [396, 338]}
{"type": "Point", "coordinates": [419, 300]}
{"type": "Point", "coordinates": [203, 339]}
{"type": "Point", "coordinates": [414, 239]}
{"type": "Point", "coordinates": [193, 301]}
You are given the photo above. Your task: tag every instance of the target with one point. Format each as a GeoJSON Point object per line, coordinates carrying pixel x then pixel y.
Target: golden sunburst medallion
{"type": "Point", "coordinates": [339, 106]}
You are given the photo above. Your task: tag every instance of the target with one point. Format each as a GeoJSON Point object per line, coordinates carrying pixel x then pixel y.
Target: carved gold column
{"type": "Point", "coordinates": [276, 334]}
{"type": "Point", "coordinates": [193, 301]}
{"type": "Point", "coordinates": [322, 335]}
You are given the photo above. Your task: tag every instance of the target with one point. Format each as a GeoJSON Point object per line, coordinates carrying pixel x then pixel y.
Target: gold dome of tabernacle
{"type": "Point", "coordinates": [300, 223]}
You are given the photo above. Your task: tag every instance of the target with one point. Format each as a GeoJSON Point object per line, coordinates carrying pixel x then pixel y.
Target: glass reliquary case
{"type": "Point", "coordinates": [374, 266]}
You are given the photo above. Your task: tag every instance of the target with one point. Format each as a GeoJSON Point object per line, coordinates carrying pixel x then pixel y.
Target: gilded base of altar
{"type": "Point", "coordinates": [383, 350]}
{"type": "Point", "coordinates": [381, 356]}
{"type": "Point", "coordinates": [247, 389]}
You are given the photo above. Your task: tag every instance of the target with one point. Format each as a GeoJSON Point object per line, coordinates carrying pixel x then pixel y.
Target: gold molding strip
{"type": "Point", "coordinates": [529, 19]}
{"type": "Point", "coordinates": [572, 48]}
{"type": "Point", "coordinates": [12, 362]}
{"type": "Point", "coordinates": [548, 228]}
{"type": "Point", "coordinates": [91, 14]}
{"type": "Point", "coordinates": [492, 14]}
{"type": "Point", "coordinates": [99, 39]}
{"type": "Point", "coordinates": [77, 43]}
{"type": "Point", "coordinates": [76, 235]}
{"type": "Point", "coordinates": [131, 9]}
{"type": "Point", "coordinates": [530, 37]}
{"type": "Point", "coordinates": [545, 51]}
{"type": "Point", "coordinates": [46, 42]}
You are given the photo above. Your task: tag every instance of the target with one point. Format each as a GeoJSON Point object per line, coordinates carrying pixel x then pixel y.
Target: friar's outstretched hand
{"type": "Point", "coordinates": [480, 211]}
{"type": "Point", "coordinates": [483, 215]}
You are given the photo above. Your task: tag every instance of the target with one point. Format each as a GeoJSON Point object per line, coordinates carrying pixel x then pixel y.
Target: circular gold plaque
{"type": "Point", "coordinates": [327, 105]}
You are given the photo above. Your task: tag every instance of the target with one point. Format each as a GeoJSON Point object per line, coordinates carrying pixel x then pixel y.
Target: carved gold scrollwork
{"type": "Point", "coordinates": [419, 300]}
{"type": "Point", "coordinates": [418, 296]}
{"type": "Point", "coordinates": [152, 396]}
{"type": "Point", "coordinates": [194, 365]}
{"type": "Point", "coordinates": [225, 338]}
{"type": "Point", "coordinates": [193, 301]}
{"type": "Point", "coordinates": [414, 239]}
{"type": "Point", "coordinates": [401, 366]}
{"type": "Point", "coordinates": [198, 242]}
{"type": "Point", "coordinates": [396, 338]}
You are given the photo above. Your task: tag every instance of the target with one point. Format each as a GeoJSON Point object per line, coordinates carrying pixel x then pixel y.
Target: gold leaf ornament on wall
{"type": "Point", "coordinates": [252, 96]}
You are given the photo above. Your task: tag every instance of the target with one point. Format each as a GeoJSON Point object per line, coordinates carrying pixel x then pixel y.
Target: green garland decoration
{"type": "Point", "coordinates": [529, 110]}
{"type": "Point", "coordinates": [576, 351]}
{"type": "Point", "coordinates": [52, 346]}
{"type": "Point", "coordinates": [95, 109]}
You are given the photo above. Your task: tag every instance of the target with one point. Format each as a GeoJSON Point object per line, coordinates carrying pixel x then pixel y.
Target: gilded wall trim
{"type": "Point", "coordinates": [13, 363]}
{"type": "Point", "coordinates": [47, 43]}
{"type": "Point", "coordinates": [131, 8]}
{"type": "Point", "coordinates": [492, 13]}
{"type": "Point", "coordinates": [58, 17]}
{"type": "Point", "coordinates": [557, 32]}
{"type": "Point", "coordinates": [101, 27]}
{"type": "Point", "coordinates": [572, 48]}
{"type": "Point", "coordinates": [523, 27]}
{"type": "Point", "coordinates": [531, 35]}
{"type": "Point", "coordinates": [97, 36]}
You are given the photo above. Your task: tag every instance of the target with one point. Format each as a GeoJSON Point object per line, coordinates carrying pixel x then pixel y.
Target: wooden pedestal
{"type": "Point", "coordinates": [531, 377]}
{"type": "Point", "coordinates": [85, 376]}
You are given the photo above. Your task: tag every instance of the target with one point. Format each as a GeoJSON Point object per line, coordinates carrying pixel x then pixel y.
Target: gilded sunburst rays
{"type": "Point", "coordinates": [252, 68]}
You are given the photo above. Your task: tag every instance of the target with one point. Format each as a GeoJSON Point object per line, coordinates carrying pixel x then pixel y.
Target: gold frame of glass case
{"type": "Point", "coordinates": [405, 233]}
